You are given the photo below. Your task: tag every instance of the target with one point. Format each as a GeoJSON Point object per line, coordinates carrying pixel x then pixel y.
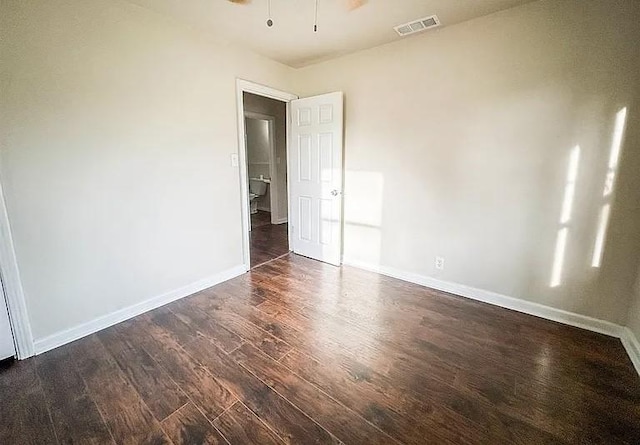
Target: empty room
{"type": "Point", "coordinates": [320, 221]}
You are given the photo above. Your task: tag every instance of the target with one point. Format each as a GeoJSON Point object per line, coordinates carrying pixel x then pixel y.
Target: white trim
{"type": "Point", "coordinates": [103, 322]}
{"type": "Point", "coordinates": [288, 148]}
{"type": "Point", "coordinates": [516, 304]}
{"type": "Point", "coordinates": [280, 221]}
{"type": "Point", "coordinates": [632, 345]}
{"type": "Point", "coordinates": [243, 86]}
{"type": "Point", "coordinates": [263, 90]}
{"type": "Point", "coordinates": [13, 292]}
{"type": "Point", "coordinates": [626, 336]}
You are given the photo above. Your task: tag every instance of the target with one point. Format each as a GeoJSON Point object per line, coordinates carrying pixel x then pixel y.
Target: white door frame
{"type": "Point", "coordinates": [245, 86]}
{"type": "Point", "coordinates": [273, 171]}
{"type": "Point", "coordinates": [12, 286]}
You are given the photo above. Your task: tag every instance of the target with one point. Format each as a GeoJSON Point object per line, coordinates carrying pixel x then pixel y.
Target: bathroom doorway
{"type": "Point", "coordinates": [266, 166]}
{"type": "Point", "coordinates": [311, 182]}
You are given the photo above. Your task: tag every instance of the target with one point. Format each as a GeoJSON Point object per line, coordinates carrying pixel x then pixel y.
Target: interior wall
{"type": "Point", "coordinates": [7, 348]}
{"type": "Point", "coordinates": [277, 109]}
{"type": "Point", "coordinates": [117, 126]}
{"type": "Point", "coordinates": [258, 142]}
{"type": "Point", "coordinates": [633, 321]}
{"type": "Point", "coordinates": [459, 143]}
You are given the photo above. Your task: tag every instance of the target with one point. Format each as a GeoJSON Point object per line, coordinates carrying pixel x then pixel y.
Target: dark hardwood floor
{"type": "Point", "coordinates": [300, 352]}
{"type": "Point", "coordinates": [260, 218]}
{"type": "Point", "coordinates": [268, 241]}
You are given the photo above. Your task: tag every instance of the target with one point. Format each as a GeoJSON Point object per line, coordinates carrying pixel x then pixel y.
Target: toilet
{"type": "Point", "coordinates": [257, 188]}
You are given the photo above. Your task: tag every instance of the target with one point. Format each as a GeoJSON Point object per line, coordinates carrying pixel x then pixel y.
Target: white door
{"type": "Point", "coordinates": [7, 349]}
{"type": "Point", "coordinates": [315, 182]}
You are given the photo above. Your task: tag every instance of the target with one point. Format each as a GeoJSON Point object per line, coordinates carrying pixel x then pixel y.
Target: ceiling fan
{"type": "Point", "coordinates": [350, 5]}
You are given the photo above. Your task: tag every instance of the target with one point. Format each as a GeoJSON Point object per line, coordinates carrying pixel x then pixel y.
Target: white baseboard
{"type": "Point", "coordinates": [516, 304]}
{"type": "Point", "coordinates": [632, 345]}
{"type": "Point", "coordinates": [629, 340]}
{"type": "Point", "coordinates": [103, 322]}
{"type": "Point", "coordinates": [281, 220]}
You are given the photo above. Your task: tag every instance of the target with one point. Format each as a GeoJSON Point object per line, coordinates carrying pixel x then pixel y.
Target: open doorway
{"type": "Point", "coordinates": [308, 174]}
{"type": "Point", "coordinates": [265, 124]}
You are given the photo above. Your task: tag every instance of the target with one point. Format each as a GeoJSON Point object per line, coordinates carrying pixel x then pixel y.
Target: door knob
{"type": "Point", "coordinates": [335, 192]}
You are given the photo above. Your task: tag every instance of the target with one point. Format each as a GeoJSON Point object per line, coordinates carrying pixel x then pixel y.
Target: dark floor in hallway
{"type": "Point", "coordinates": [260, 218]}
{"type": "Point", "coordinates": [268, 241]}
{"type": "Point", "coordinates": [300, 352]}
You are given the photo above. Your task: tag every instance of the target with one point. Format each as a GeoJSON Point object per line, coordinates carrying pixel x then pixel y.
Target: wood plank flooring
{"type": "Point", "coordinates": [299, 352]}
{"type": "Point", "coordinates": [260, 218]}
{"type": "Point", "coordinates": [268, 241]}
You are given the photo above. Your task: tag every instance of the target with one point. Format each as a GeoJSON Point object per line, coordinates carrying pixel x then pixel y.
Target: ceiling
{"type": "Point", "coordinates": [292, 41]}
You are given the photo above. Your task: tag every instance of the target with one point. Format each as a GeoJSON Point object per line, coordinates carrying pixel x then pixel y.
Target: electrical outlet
{"type": "Point", "coordinates": [439, 263]}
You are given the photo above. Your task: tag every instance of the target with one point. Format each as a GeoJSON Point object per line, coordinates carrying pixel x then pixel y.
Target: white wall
{"type": "Point", "coordinates": [277, 109]}
{"type": "Point", "coordinates": [458, 144]}
{"type": "Point", "coordinates": [117, 127]}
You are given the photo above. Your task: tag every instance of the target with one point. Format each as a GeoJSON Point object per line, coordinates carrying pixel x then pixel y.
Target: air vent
{"type": "Point", "coordinates": [417, 25]}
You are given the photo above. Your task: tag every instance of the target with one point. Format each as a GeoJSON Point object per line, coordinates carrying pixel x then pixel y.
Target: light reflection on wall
{"type": "Point", "coordinates": [609, 185]}
{"type": "Point", "coordinates": [603, 224]}
{"type": "Point", "coordinates": [570, 187]}
{"type": "Point", "coordinates": [558, 257]}
{"type": "Point", "coordinates": [565, 217]}
{"type": "Point", "coordinates": [363, 216]}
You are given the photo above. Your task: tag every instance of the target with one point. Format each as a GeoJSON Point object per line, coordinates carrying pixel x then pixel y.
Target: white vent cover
{"type": "Point", "coordinates": [417, 25]}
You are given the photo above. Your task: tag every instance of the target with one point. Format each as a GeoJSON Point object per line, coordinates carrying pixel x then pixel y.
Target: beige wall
{"type": "Point", "coordinates": [116, 127]}
{"type": "Point", "coordinates": [277, 109]}
{"type": "Point", "coordinates": [117, 130]}
{"type": "Point", "coordinates": [458, 143]}
{"type": "Point", "coordinates": [633, 321]}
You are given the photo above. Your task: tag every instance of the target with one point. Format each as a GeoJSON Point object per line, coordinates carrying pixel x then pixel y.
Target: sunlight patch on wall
{"type": "Point", "coordinates": [616, 148]}
{"type": "Point", "coordinates": [558, 257]}
{"type": "Point", "coordinates": [618, 133]}
{"type": "Point", "coordinates": [603, 223]}
{"type": "Point", "coordinates": [565, 217]}
{"type": "Point", "coordinates": [609, 186]}
{"type": "Point", "coordinates": [363, 215]}
{"type": "Point", "coordinates": [570, 187]}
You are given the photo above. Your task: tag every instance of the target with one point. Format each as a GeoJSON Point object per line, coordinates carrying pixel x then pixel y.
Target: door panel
{"type": "Point", "coordinates": [304, 156]}
{"type": "Point", "coordinates": [316, 177]}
